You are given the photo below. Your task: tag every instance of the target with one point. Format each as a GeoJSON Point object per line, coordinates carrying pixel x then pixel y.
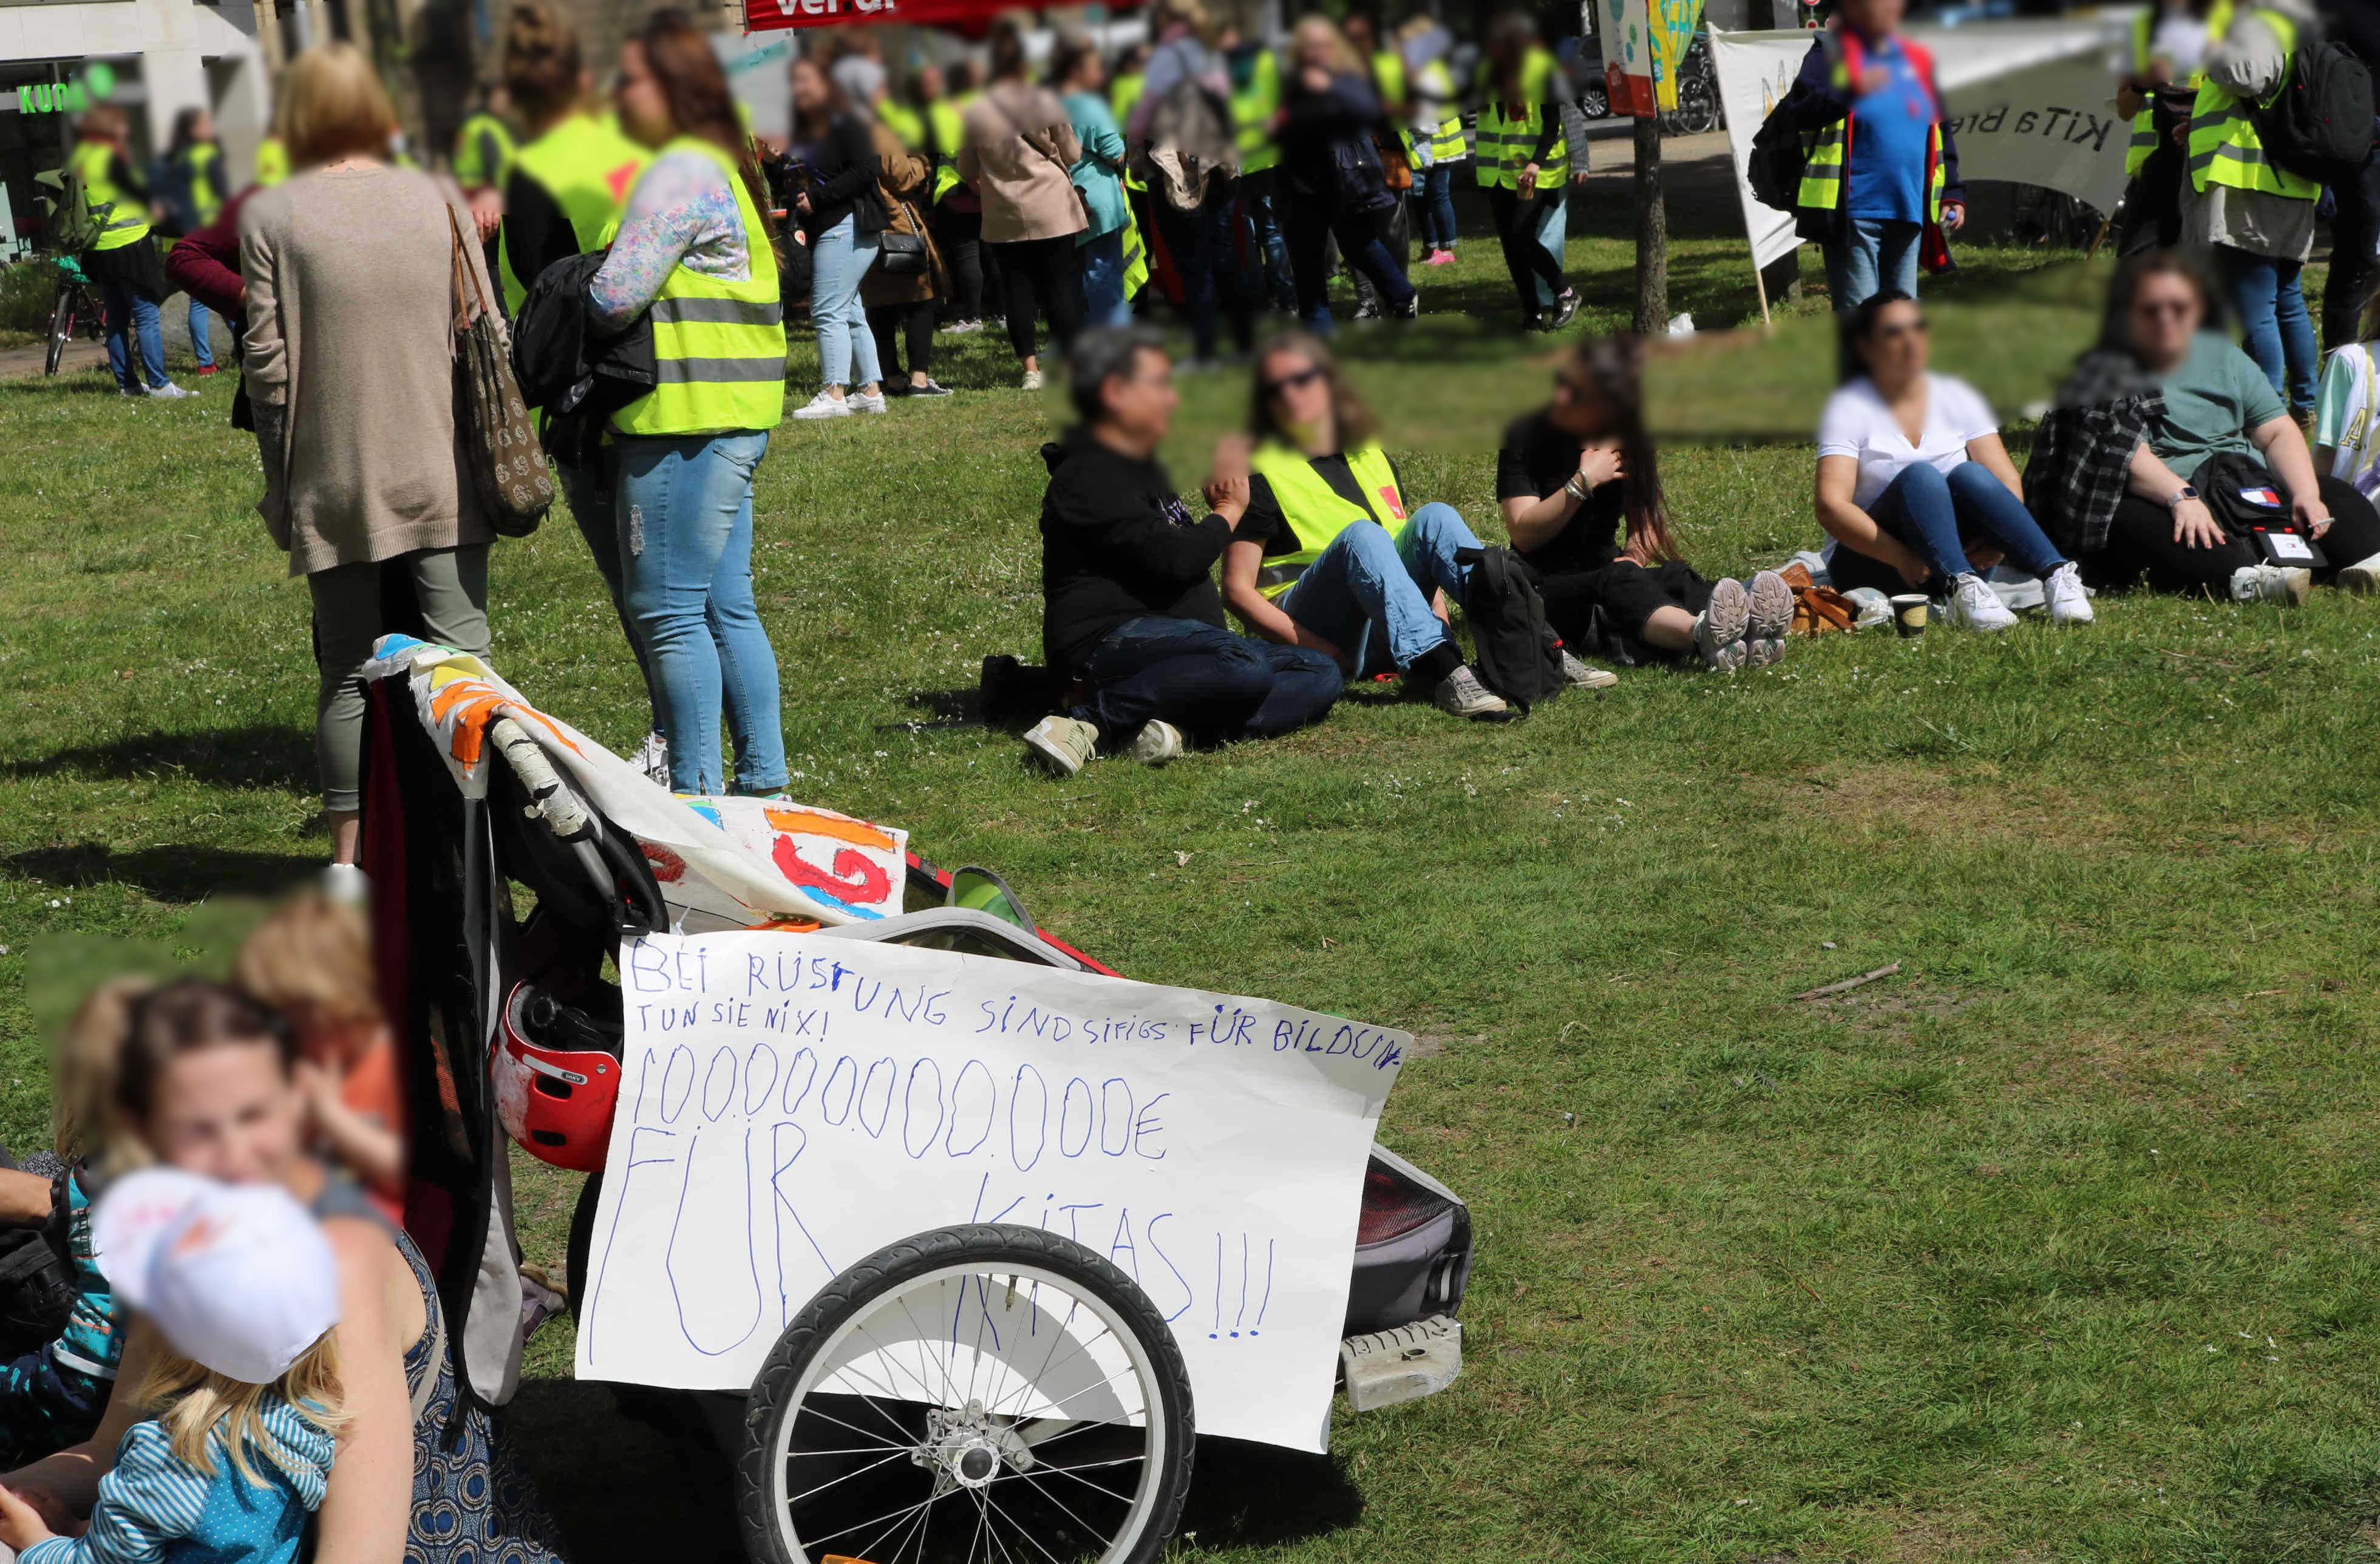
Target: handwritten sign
{"type": "Point", "coordinates": [792, 1103]}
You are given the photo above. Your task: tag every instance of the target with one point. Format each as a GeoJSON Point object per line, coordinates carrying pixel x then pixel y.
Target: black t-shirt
{"type": "Point", "coordinates": [1535, 460]}
{"type": "Point", "coordinates": [1263, 522]}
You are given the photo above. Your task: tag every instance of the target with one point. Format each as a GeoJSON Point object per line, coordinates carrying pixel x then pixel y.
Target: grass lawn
{"type": "Point", "coordinates": [2055, 1246]}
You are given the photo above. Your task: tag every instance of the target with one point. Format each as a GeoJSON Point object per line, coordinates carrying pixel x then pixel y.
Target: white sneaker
{"type": "Point", "coordinates": [2285, 584]}
{"type": "Point", "coordinates": [1769, 621]}
{"type": "Point", "coordinates": [961, 328]}
{"type": "Point", "coordinates": [861, 402]}
{"type": "Point", "coordinates": [346, 884]}
{"type": "Point", "coordinates": [1974, 606]}
{"type": "Point", "coordinates": [1718, 629]}
{"type": "Point", "coordinates": [2069, 604]}
{"type": "Point", "coordinates": [1032, 380]}
{"type": "Point", "coordinates": [1157, 743]}
{"type": "Point", "coordinates": [169, 391]}
{"type": "Point", "coordinates": [1580, 675]}
{"type": "Point", "coordinates": [825, 407]}
{"type": "Point", "coordinates": [652, 758]}
{"type": "Point", "coordinates": [2364, 575]}
{"type": "Point", "coordinates": [1460, 694]}
{"type": "Point", "coordinates": [1062, 744]}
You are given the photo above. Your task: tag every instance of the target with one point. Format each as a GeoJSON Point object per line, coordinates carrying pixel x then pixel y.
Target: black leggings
{"type": "Point", "coordinates": [888, 322]}
{"type": "Point", "coordinates": [1309, 228]}
{"type": "Point", "coordinates": [1043, 273]}
{"type": "Point", "coordinates": [1605, 608]}
{"type": "Point", "coordinates": [959, 235]}
{"type": "Point", "coordinates": [2140, 543]}
{"type": "Point", "coordinates": [1517, 217]}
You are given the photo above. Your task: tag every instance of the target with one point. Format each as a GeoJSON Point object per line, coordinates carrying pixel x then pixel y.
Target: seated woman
{"type": "Point", "coordinates": [1570, 476]}
{"type": "Point", "coordinates": [1914, 481]}
{"type": "Point", "coordinates": [1328, 554]}
{"type": "Point", "coordinates": [2347, 427]}
{"type": "Point", "coordinates": [2222, 422]}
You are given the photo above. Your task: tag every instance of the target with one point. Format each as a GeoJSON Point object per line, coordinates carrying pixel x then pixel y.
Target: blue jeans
{"type": "Point", "coordinates": [1553, 237]}
{"type": "Point", "coordinates": [2276, 330]}
{"type": "Point", "coordinates": [1103, 300]}
{"type": "Point", "coordinates": [128, 314]}
{"type": "Point", "coordinates": [1930, 513]}
{"type": "Point", "coordinates": [685, 511]}
{"type": "Point", "coordinates": [1875, 255]}
{"type": "Point", "coordinates": [1366, 580]}
{"type": "Point", "coordinates": [200, 345]}
{"type": "Point", "coordinates": [1206, 257]}
{"type": "Point", "coordinates": [1436, 203]}
{"type": "Point", "coordinates": [1204, 680]}
{"type": "Point", "coordinates": [593, 493]}
{"type": "Point", "coordinates": [1270, 248]}
{"type": "Point", "coordinates": [839, 258]}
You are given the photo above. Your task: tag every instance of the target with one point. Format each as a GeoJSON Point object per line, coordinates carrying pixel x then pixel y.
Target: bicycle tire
{"type": "Point", "coordinates": [62, 324]}
{"type": "Point", "coordinates": [994, 1248]}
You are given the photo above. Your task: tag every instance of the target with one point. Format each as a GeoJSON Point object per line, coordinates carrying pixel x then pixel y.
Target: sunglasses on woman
{"type": "Point", "coordinates": [1293, 380]}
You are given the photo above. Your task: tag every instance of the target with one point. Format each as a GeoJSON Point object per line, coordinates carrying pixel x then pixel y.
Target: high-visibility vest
{"type": "Point", "coordinates": [903, 122]}
{"type": "Point", "coordinates": [2143, 142]}
{"type": "Point", "coordinates": [1388, 80]}
{"type": "Point", "coordinates": [949, 127]}
{"type": "Point", "coordinates": [201, 171]}
{"type": "Point", "coordinates": [1135, 255]}
{"type": "Point", "coordinates": [2225, 148]}
{"type": "Point", "coordinates": [484, 150]}
{"type": "Point", "coordinates": [122, 219]}
{"type": "Point", "coordinates": [271, 162]}
{"type": "Point", "coordinates": [1824, 172]}
{"type": "Point", "coordinates": [719, 346]}
{"type": "Point", "coordinates": [589, 165]}
{"type": "Point", "coordinates": [1252, 107]}
{"type": "Point", "coordinates": [1123, 94]}
{"type": "Point", "coordinates": [1318, 512]}
{"type": "Point", "coordinates": [1446, 143]}
{"type": "Point", "coordinates": [1507, 132]}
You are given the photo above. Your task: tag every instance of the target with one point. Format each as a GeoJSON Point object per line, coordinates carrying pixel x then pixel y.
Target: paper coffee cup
{"type": "Point", "coordinates": [1909, 613]}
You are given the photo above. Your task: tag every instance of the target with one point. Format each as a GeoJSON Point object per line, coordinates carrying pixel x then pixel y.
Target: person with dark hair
{"type": "Point", "coordinates": [2220, 459]}
{"type": "Point", "coordinates": [1329, 555]}
{"type": "Point", "coordinates": [1580, 486]}
{"type": "Point", "coordinates": [2354, 25]}
{"type": "Point", "coordinates": [1332, 183]}
{"type": "Point", "coordinates": [901, 304]}
{"type": "Point", "coordinates": [1128, 610]}
{"type": "Point", "coordinates": [695, 248]}
{"type": "Point", "coordinates": [835, 169]}
{"type": "Point", "coordinates": [122, 260]}
{"type": "Point", "coordinates": [1524, 163]}
{"type": "Point", "coordinates": [958, 211]}
{"type": "Point", "coordinates": [1079, 77]}
{"type": "Point", "coordinates": [1019, 154]}
{"type": "Point", "coordinates": [1913, 480]}
{"type": "Point", "coordinates": [194, 166]}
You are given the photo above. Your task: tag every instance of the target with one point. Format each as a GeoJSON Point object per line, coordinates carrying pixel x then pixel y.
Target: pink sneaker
{"type": "Point", "coordinates": [1438, 257]}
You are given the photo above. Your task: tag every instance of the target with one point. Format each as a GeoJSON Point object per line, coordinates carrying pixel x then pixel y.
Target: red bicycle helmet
{"type": "Point", "coordinates": [557, 1079]}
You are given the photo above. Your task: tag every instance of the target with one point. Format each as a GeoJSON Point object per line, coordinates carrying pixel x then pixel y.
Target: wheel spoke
{"type": "Point", "coordinates": [923, 1338]}
{"type": "Point", "coordinates": [1021, 1531]}
{"type": "Point", "coordinates": [893, 1515]}
{"type": "Point", "coordinates": [1061, 1338]}
{"type": "Point", "coordinates": [891, 1361]}
{"type": "Point", "coordinates": [1101, 1385]}
{"type": "Point", "coordinates": [885, 1460]}
{"type": "Point", "coordinates": [1072, 1471]}
{"type": "Point", "coordinates": [908, 1440]}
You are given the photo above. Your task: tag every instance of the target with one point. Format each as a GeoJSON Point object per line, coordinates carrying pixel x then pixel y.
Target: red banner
{"type": "Point", "coordinates": [766, 15]}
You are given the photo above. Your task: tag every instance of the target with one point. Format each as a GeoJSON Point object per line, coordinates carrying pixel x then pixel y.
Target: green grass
{"type": "Point", "coordinates": [2055, 1246]}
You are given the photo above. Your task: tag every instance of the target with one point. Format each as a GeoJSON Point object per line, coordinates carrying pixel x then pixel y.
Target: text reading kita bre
{"type": "Point", "coordinates": [694, 986]}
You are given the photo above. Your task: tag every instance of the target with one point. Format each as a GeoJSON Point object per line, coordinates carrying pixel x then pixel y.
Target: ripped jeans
{"type": "Point", "coordinates": [685, 509]}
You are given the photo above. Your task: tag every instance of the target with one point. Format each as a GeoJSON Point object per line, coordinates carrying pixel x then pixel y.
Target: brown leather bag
{"type": "Point", "coordinates": [1817, 611]}
{"type": "Point", "coordinates": [500, 442]}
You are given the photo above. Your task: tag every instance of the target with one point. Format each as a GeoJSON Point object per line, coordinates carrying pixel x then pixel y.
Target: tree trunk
{"type": "Point", "coordinates": [1652, 232]}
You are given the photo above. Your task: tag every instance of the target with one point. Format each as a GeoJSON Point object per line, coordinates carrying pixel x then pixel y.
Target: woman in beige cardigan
{"type": "Point", "coordinates": [348, 271]}
{"type": "Point", "coordinates": [1019, 150]}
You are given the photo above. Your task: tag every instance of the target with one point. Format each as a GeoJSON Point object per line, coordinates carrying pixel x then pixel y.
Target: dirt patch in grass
{"type": "Point", "coordinates": [1903, 801]}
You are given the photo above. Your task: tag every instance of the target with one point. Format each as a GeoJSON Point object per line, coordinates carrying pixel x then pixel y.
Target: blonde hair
{"type": "Point", "coordinates": [82, 1071]}
{"type": "Point", "coordinates": [193, 1402]}
{"type": "Point", "coordinates": [312, 961]}
{"type": "Point", "coordinates": [1314, 25]}
{"type": "Point", "coordinates": [332, 106]}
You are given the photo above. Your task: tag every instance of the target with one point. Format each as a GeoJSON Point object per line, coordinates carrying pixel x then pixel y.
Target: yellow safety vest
{"type": "Point", "coordinates": [1135, 255]}
{"type": "Point", "coordinates": [588, 167]}
{"type": "Point", "coordinates": [1507, 132]}
{"type": "Point", "coordinates": [1446, 143]}
{"type": "Point", "coordinates": [482, 134]}
{"type": "Point", "coordinates": [121, 217]}
{"type": "Point", "coordinates": [950, 131]}
{"type": "Point", "coordinates": [1824, 171]}
{"type": "Point", "coordinates": [2225, 148]}
{"type": "Point", "coordinates": [271, 162]}
{"type": "Point", "coordinates": [1388, 80]}
{"type": "Point", "coordinates": [719, 345]}
{"type": "Point", "coordinates": [1123, 94]}
{"type": "Point", "coordinates": [1318, 512]}
{"type": "Point", "coordinates": [903, 122]}
{"type": "Point", "coordinates": [2143, 142]}
{"type": "Point", "coordinates": [200, 167]}
{"type": "Point", "coordinates": [1252, 107]}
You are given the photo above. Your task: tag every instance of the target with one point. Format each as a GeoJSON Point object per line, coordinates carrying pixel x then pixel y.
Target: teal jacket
{"type": "Point", "coordinates": [1097, 175]}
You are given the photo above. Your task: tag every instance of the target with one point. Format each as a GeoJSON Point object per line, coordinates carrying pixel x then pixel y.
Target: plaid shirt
{"type": "Point", "coordinates": [2081, 456]}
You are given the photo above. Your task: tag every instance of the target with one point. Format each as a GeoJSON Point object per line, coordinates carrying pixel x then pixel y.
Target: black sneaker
{"type": "Point", "coordinates": [1564, 308]}
{"type": "Point", "coordinates": [896, 388]}
{"type": "Point", "coordinates": [931, 388]}
{"type": "Point", "coordinates": [1410, 309]}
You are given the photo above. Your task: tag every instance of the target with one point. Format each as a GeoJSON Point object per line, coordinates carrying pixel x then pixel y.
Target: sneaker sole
{"type": "Point", "coordinates": [1728, 615]}
{"type": "Point", "coordinates": [1056, 757]}
{"type": "Point", "coordinates": [1771, 608]}
{"type": "Point", "coordinates": [2358, 581]}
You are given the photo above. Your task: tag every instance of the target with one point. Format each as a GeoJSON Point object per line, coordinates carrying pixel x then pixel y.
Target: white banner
{"type": "Point", "coordinates": [794, 1103]}
{"type": "Point", "coordinates": [2032, 103]}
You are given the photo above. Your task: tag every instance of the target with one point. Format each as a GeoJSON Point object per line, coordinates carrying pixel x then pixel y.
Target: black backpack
{"type": "Point", "coordinates": [2320, 124]}
{"type": "Point", "coordinates": [1518, 655]}
{"type": "Point", "coordinates": [1774, 168]}
{"type": "Point", "coordinates": [37, 1284]}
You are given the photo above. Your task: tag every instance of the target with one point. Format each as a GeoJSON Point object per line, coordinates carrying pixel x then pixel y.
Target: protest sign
{"type": "Point", "coordinates": [792, 1103]}
{"type": "Point", "coordinates": [1675, 22]}
{"type": "Point", "coordinates": [1755, 70]}
{"type": "Point", "coordinates": [1625, 27]}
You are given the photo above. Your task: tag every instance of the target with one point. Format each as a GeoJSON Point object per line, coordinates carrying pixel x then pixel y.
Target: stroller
{"type": "Point", "coordinates": [509, 857]}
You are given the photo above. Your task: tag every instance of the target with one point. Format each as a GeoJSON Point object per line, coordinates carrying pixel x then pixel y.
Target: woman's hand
{"type": "Point", "coordinates": [1328, 648]}
{"type": "Point", "coordinates": [20, 1525]}
{"type": "Point", "coordinates": [802, 203]}
{"type": "Point", "coordinates": [1914, 571]}
{"type": "Point", "coordinates": [2310, 515]}
{"type": "Point", "coordinates": [1227, 495]}
{"type": "Point", "coordinates": [2194, 525]}
{"type": "Point", "coordinates": [318, 1085]}
{"type": "Point", "coordinates": [1314, 79]}
{"type": "Point", "coordinates": [1528, 180]}
{"type": "Point", "coordinates": [1600, 462]}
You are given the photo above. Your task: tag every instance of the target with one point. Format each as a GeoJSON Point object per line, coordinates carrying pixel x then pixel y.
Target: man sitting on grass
{"type": "Point", "coordinates": [1129, 611]}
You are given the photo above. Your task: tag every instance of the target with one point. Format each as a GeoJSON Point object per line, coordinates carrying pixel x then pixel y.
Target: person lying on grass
{"type": "Point", "coordinates": [1128, 609]}
{"type": "Point", "coordinates": [1330, 556]}
{"type": "Point", "coordinates": [1913, 483]}
{"type": "Point", "coordinates": [1569, 478]}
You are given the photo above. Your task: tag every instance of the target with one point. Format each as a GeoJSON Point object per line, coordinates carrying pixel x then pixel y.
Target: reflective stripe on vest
{"type": "Point", "coordinates": [588, 167]}
{"type": "Point", "coordinates": [2143, 142]}
{"type": "Point", "coordinates": [1135, 255]}
{"type": "Point", "coordinates": [201, 168]}
{"type": "Point", "coordinates": [122, 220]}
{"type": "Point", "coordinates": [1446, 143]}
{"type": "Point", "coordinates": [1822, 174]}
{"type": "Point", "coordinates": [484, 148]}
{"type": "Point", "coordinates": [1252, 107]}
{"type": "Point", "coordinates": [1506, 139]}
{"type": "Point", "coordinates": [2225, 148]}
{"type": "Point", "coordinates": [719, 346]}
{"type": "Point", "coordinates": [1318, 512]}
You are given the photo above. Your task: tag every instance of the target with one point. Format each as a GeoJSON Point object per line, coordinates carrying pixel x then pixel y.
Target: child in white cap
{"type": "Point", "coordinates": [243, 1390]}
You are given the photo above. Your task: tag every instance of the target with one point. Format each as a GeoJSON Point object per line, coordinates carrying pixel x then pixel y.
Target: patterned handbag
{"type": "Point", "coordinates": [500, 438]}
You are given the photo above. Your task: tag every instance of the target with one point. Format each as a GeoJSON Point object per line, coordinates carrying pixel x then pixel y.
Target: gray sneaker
{"type": "Point", "coordinates": [1718, 629]}
{"type": "Point", "coordinates": [1770, 621]}
{"type": "Point", "coordinates": [2285, 584]}
{"type": "Point", "coordinates": [1062, 744]}
{"type": "Point", "coordinates": [1460, 694]}
{"type": "Point", "coordinates": [1157, 743]}
{"type": "Point", "coordinates": [652, 758]}
{"type": "Point", "coordinates": [1580, 675]}
{"type": "Point", "coordinates": [169, 391]}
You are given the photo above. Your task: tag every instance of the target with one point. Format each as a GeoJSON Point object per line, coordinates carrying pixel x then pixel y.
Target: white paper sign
{"type": "Point", "coordinates": [792, 1103]}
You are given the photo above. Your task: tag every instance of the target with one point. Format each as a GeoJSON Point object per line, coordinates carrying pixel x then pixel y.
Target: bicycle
{"type": "Point", "coordinates": [1699, 110]}
{"type": "Point", "coordinates": [78, 305]}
